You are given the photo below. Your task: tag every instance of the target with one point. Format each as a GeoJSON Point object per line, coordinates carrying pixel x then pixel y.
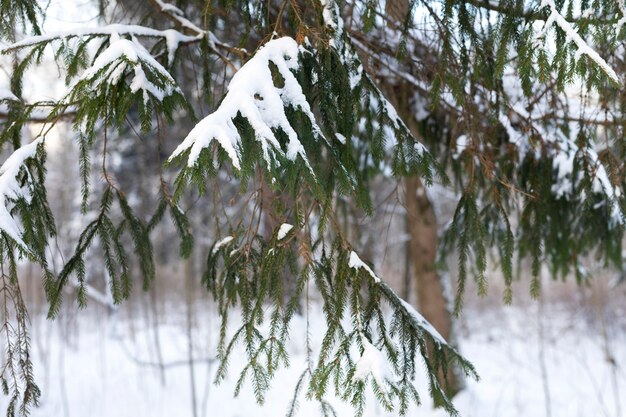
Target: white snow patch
{"type": "Point", "coordinates": [223, 242]}
{"type": "Point", "coordinates": [373, 362]}
{"type": "Point", "coordinates": [11, 189]}
{"type": "Point", "coordinates": [355, 262]}
{"type": "Point", "coordinates": [564, 163]}
{"type": "Point", "coordinates": [285, 228]}
{"type": "Point", "coordinates": [462, 142]}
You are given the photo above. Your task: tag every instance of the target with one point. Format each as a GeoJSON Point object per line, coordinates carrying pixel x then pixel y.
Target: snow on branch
{"type": "Point", "coordinates": [417, 320]}
{"type": "Point", "coordinates": [564, 157]}
{"type": "Point", "coordinates": [122, 54]}
{"type": "Point", "coordinates": [253, 95]}
{"type": "Point", "coordinates": [11, 189]}
{"type": "Point", "coordinates": [173, 38]}
{"type": "Point", "coordinates": [177, 15]}
{"type": "Point", "coordinates": [573, 36]}
{"type": "Point", "coordinates": [374, 362]}
{"type": "Point", "coordinates": [356, 263]}
{"type": "Point", "coordinates": [332, 18]}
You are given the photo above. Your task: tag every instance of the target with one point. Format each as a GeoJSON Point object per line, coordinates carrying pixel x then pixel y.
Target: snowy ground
{"type": "Point", "coordinates": [557, 363]}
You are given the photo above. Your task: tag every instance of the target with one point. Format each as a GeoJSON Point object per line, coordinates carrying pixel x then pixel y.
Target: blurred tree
{"type": "Point", "coordinates": [517, 105]}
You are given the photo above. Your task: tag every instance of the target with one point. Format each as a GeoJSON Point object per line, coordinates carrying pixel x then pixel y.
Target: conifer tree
{"type": "Point", "coordinates": [517, 105]}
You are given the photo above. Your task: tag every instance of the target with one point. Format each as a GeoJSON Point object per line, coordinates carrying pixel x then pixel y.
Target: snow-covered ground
{"type": "Point", "coordinates": [534, 361]}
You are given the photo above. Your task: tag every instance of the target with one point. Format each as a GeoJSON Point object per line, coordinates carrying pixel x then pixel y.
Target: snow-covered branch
{"type": "Point", "coordinates": [253, 95]}
{"type": "Point", "coordinates": [417, 320]}
{"type": "Point", "coordinates": [176, 15]}
{"type": "Point", "coordinates": [11, 189]}
{"type": "Point", "coordinates": [121, 54]}
{"type": "Point", "coordinates": [171, 36]}
{"type": "Point", "coordinates": [573, 36]}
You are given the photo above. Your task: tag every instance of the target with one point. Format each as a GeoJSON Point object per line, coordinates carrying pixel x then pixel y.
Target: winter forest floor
{"type": "Point", "coordinates": [564, 357]}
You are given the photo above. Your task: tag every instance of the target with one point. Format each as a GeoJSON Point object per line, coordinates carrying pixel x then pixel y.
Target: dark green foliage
{"type": "Point", "coordinates": [246, 274]}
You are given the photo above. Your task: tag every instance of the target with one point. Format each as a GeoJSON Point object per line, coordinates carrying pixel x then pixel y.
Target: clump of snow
{"type": "Point", "coordinates": [285, 228]}
{"type": "Point", "coordinates": [253, 95]}
{"type": "Point", "coordinates": [373, 362]}
{"type": "Point", "coordinates": [462, 142]}
{"type": "Point", "coordinates": [11, 189]}
{"type": "Point", "coordinates": [223, 242]}
{"type": "Point", "coordinates": [355, 262]}
{"type": "Point", "coordinates": [123, 53]}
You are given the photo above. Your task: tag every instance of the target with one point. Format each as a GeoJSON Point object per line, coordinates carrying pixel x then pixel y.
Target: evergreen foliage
{"type": "Point", "coordinates": [540, 179]}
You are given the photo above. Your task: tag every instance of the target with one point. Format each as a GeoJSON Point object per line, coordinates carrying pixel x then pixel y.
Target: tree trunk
{"type": "Point", "coordinates": [421, 223]}
{"type": "Point", "coordinates": [432, 302]}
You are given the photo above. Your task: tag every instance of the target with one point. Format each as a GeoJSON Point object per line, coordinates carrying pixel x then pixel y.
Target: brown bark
{"type": "Point", "coordinates": [422, 228]}
{"type": "Point", "coordinates": [421, 223]}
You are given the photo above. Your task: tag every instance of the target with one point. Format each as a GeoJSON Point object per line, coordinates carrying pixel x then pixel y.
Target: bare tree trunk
{"type": "Point", "coordinates": [421, 223]}
{"type": "Point", "coordinates": [430, 288]}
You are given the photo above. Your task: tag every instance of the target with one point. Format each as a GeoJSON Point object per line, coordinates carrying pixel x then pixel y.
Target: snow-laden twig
{"type": "Point", "coordinates": [356, 263]}
{"type": "Point", "coordinates": [177, 16]}
{"type": "Point", "coordinates": [11, 189]}
{"type": "Point", "coordinates": [173, 38]}
{"type": "Point", "coordinates": [111, 65]}
{"type": "Point", "coordinates": [253, 95]}
{"type": "Point", "coordinates": [221, 243]}
{"type": "Point", "coordinates": [117, 29]}
{"type": "Point", "coordinates": [418, 321]}
{"type": "Point", "coordinates": [583, 48]}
